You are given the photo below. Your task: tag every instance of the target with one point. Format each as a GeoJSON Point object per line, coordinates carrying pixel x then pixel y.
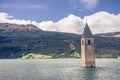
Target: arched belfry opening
{"type": "Point", "coordinates": [87, 48]}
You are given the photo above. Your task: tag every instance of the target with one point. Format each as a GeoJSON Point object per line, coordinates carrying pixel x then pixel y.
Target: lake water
{"type": "Point", "coordinates": [58, 69]}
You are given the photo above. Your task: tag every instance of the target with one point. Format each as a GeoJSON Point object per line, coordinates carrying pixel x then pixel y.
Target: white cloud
{"type": "Point", "coordinates": [5, 18]}
{"type": "Point", "coordinates": [103, 22]}
{"type": "Point", "coordinates": [48, 26]}
{"type": "Point", "coordinates": [70, 24]}
{"type": "Point", "coordinates": [17, 21]}
{"type": "Point", "coordinates": [89, 3]}
{"type": "Point", "coordinates": [100, 22]}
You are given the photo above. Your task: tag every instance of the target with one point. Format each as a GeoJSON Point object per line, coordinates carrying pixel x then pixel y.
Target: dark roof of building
{"type": "Point", "coordinates": [87, 32]}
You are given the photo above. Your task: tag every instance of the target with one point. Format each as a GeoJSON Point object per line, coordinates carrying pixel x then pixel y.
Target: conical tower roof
{"type": "Point", "coordinates": [87, 32]}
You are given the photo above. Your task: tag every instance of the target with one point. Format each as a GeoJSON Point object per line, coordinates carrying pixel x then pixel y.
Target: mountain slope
{"type": "Point", "coordinates": [16, 43]}
{"type": "Point", "coordinates": [11, 27]}
{"type": "Point", "coordinates": [113, 34]}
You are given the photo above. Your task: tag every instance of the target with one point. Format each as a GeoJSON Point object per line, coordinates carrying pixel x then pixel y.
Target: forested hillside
{"type": "Point", "coordinates": [15, 44]}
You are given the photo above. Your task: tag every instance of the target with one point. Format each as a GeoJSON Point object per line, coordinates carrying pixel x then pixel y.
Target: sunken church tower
{"type": "Point", "coordinates": [87, 48]}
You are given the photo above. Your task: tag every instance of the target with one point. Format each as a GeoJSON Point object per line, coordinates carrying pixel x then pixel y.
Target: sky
{"type": "Point", "coordinates": [63, 15]}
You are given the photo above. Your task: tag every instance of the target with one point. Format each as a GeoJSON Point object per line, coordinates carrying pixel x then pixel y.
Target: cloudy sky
{"type": "Point", "coordinates": [63, 15]}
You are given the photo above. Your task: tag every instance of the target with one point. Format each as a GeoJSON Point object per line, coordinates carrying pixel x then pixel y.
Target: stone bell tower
{"type": "Point", "coordinates": [87, 48]}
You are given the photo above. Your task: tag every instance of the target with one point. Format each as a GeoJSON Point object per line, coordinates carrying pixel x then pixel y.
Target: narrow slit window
{"type": "Point", "coordinates": [89, 42]}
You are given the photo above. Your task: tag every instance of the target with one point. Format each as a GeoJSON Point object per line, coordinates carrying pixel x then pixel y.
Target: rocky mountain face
{"type": "Point", "coordinates": [12, 27]}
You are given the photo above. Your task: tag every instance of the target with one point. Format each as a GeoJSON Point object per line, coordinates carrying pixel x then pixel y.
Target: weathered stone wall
{"type": "Point", "coordinates": [87, 52]}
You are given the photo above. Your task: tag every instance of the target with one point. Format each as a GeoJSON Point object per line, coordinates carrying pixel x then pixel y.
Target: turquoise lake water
{"type": "Point", "coordinates": [58, 69]}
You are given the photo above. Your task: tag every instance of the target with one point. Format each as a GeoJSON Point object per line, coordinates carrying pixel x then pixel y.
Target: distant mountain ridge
{"type": "Point", "coordinates": [31, 27]}
{"type": "Point", "coordinates": [11, 27]}
{"type": "Point", "coordinates": [111, 34]}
